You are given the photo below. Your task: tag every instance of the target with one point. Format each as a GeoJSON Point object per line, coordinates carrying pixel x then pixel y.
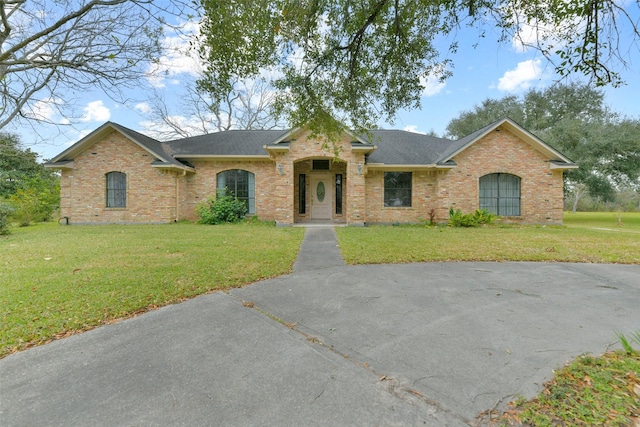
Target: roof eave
{"type": "Point", "coordinates": [276, 148]}
{"type": "Point", "coordinates": [224, 157]}
{"type": "Point", "coordinates": [64, 165]}
{"type": "Point", "coordinates": [285, 137]}
{"type": "Point", "coordinates": [368, 148]}
{"type": "Point", "coordinates": [407, 167]}
{"type": "Point", "coordinates": [96, 136]}
{"type": "Point", "coordinates": [562, 166]}
{"type": "Point", "coordinates": [519, 131]}
{"type": "Point", "coordinates": [167, 166]}
{"type": "Point", "coordinates": [84, 143]}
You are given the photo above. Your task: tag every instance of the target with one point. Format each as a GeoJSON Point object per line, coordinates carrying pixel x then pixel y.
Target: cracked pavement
{"type": "Point", "coordinates": [413, 344]}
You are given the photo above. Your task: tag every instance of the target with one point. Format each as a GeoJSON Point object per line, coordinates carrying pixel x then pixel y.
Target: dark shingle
{"type": "Point", "coordinates": [399, 147]}
{"type": "Point", "coordinates": [228, 143]}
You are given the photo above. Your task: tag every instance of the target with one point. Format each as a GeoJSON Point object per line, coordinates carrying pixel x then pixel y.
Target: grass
{"type": "Point", "coordinates": [57, 280]}
{"type": "Point", "coordinates": [608, 221]}
{"type": "Point", "coordinates": [589, 391]}
{"type": "Point", "coordinates": [585, 237]}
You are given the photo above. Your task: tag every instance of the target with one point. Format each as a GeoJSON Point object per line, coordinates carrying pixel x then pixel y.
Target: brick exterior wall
{"type": "Point", "coordinates": [157, 196]}
{"type": "Point", "coordinates": [541, 189]}
{"type": "Point", "coordinates": [423, 198]}
{"type": "Point", "coordinates": [151, 193]}
{"type": "Point", "coordinates": [440, 189]}
{"type": "Point", "coordinates": [203, 184]}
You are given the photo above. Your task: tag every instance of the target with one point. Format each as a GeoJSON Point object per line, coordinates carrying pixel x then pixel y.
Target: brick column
{"type": "Point", "coordinates": [356, 190]}
{"type": "Point", "coordinates": [283, 197]}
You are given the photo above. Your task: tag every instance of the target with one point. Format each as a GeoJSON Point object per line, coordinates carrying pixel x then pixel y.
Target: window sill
{"type": "Point", "coordinates": [116, 209]}
{"type": "Point", "coordinates": [397, 207]}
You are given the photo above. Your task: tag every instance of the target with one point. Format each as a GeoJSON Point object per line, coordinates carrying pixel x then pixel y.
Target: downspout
{"type": "Point", "coordinates": [177, 215]}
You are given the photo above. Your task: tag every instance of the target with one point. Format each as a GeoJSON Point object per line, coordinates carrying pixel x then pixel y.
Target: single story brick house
{"type": "Point", "coordinates": [117, 175]}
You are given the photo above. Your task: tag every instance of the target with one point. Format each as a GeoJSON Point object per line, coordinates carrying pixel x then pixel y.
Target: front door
{"type": "Point", "coordinates": [321, 197]}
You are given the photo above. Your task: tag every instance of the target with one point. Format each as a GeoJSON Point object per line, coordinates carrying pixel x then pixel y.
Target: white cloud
{"type": "Point", "coordinates": [48, 110]}
{"type": "Point", "coordinates": [520, 78]}
{"type": "Point", "coordinates": [541, 36]}
{"type": "Point", "coordinates": [179, 58]}
{"type": "Point", "coordinates": [143, 108]}
{"type": "Point", "coordinates": [413, 129]}
{"type": "Point", "coordinates": [95, 111]}
{"type": "Point", "coordinates": [431, 86]}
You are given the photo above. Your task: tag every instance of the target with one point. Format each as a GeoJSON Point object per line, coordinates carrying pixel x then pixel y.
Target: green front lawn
{"type": "Point", "coordinates": [56, 280]}
{"type": "Point", "coordinates": [585, 237]}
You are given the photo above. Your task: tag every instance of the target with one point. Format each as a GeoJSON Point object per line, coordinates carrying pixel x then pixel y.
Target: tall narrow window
{"type": "Point", "coordinates": [240, 184]}
{"type": "Point", "coordinates": [339, 193]}
{"type": "Point", "coordinates": [116, 190]}
{"type": "Point", "coordinates": [397, 189]}
{"type": "Point", "coordinates": [302, 193]}
{"type": "Point", "coordinates": [500, 194]}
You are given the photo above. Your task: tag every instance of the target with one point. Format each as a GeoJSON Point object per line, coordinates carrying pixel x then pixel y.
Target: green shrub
{"type": "Point", "coordinates": [483, 216]}
{"type": "Point", "coordinates": [479, 217]}
{"type": "Point", "coordinates": [223, 208]}
{"type": "Point", "coordinates": [5, 218]}
{"type": "Point", "coordinates": [36, 201]}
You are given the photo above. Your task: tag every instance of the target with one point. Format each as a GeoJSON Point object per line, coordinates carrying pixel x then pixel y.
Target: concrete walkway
{"type": "Point", "coordinates": [414, 344]}
{"type": "Point", "coordinates": [319, 250]}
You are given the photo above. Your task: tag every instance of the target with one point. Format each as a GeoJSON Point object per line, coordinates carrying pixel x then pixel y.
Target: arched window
{"type": "Point", "coordinates": [241, 184]}
{"type": "Point", "coordinates": [500, 194]}
{"type": "Point", "coordinates": [116, 190]}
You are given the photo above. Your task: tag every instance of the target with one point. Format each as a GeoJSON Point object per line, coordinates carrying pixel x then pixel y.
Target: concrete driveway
{"type": "Point", "coordinates": [415, 344]}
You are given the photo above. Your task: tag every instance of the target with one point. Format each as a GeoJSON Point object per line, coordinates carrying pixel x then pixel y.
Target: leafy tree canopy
{"type": "Point", "coordinates": [361, 61]}
{"type": "Point", "coordinates": [18, 165]}
{"type": "Point", "coordinates": [537, 110]}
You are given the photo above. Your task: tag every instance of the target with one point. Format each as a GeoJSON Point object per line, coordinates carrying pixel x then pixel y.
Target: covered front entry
{"type": "Point", "coordinates": [321, 195]}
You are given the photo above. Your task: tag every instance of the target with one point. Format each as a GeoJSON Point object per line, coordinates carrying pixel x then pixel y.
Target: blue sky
{"type": "Point", "coordinates": [490, 70]}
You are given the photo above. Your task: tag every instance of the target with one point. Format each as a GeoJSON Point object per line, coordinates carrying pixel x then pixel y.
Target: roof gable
{"type": "Point", "coordinates": [152, 146]}
{"type": "Point", "coordinates": [463, 143]}
{"type": "Point", "coordinates": [393, 148]}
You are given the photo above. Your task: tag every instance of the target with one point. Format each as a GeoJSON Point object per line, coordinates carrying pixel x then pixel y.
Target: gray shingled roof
{"type": "Point", "coordinates": [394, 147]}
{"type": "Point", "coordinates": [228, 143]}
{"type": "Point", "coordinates": [398, 147]}
{"type": "Point", "coordinates": [462, 142]}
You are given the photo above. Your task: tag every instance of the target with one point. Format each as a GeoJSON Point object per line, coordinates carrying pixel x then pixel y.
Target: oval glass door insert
{"type": "Point", "coordinates": [320, 191]}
